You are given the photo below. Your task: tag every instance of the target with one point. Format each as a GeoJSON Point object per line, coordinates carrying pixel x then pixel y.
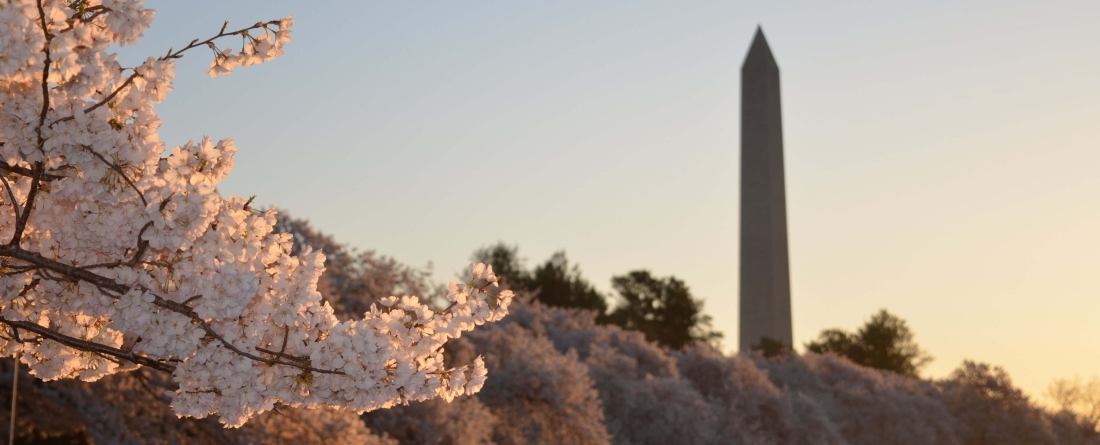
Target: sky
{"type": "Point", "coordinates": [941, 157]}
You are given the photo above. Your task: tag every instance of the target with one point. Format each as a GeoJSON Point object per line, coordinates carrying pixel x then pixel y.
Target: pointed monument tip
{"type": "Point", "coordinates": [759, 49]}
{"type": "Point", "coordinates": [759, 37]}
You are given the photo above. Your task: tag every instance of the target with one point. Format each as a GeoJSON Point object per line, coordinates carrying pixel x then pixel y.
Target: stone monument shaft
{"type": "Point", "coordinates": [765, 276]}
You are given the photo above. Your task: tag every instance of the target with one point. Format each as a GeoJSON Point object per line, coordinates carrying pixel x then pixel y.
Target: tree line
{"type": "Point", "coordinates": [662, 308]}
{"type": "Point", "coordinates": [559, 376]}
{"type": "Point", "coordinates": [666, 312]}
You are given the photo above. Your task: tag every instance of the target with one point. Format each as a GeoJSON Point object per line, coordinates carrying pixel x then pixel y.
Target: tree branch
{"type": "Point", "coordinates": [233, 348]}
{"type": "Point", "coordinates": [282, 354]}
{"type": "Point", "coordinates": [171, 55]}
{"type": "Point", "coordinates": [28, 287]}
{"type": "Point", "coordinates": [45, 77]}
{"type": "Point", "coordinates": [96, 11]}
{"type": "Point", "coordinates": [26, 171]}
{"type": "Point", "coordinates": [282, 349]}
{"type": "Point", "coordinates": [85, 345]}
{"type": "Point", "coordinates": [11, 196]}
{"type": "Point", "coordinates": [21, 221]}
{"type": "Point", "coordinates": [103, 283]}
{"type": "Point", "coordinates": [118, 170]}
{"type": "Point", "coordinates": [142, 245]}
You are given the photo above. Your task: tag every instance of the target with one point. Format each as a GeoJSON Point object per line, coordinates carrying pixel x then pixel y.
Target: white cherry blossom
{"type": "Point", "coordinates": [116, 256]}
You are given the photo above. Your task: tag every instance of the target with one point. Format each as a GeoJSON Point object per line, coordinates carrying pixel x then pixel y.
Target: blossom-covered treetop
{"type": "Point", "coordinates": [118, 253]}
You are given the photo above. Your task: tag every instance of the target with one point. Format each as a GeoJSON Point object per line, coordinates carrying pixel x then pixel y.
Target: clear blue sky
{"type": "Point", "coordinates": [941, 156]}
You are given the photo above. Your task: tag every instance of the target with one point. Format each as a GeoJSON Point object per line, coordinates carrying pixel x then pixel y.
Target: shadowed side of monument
{"type": "Point", "coordinates": [765, 290]}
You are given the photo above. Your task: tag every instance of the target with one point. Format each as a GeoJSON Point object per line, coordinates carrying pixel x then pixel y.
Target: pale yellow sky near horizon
{"type": "Point", "coordinates": [941, 157]}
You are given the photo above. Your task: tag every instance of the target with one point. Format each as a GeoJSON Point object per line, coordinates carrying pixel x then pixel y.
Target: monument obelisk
{"type": "Point", "coordinates": [765, 275]}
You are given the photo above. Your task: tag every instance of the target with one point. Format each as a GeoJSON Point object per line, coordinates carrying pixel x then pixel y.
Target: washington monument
{"type": "Point", "coordinates": [765, 276]}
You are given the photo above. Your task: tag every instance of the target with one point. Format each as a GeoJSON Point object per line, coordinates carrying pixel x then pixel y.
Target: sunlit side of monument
{"type": "Point", "coordinates": [765, 291]}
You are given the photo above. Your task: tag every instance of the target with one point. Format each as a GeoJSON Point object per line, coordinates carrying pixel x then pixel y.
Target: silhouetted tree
{"type": "Point", "coordinates": [771, 348]}
{"type": "Point", "coordinates": [553, 282]}
{"type": "Point", "coordinates": [507, 264]}
{"type": "Point", "coordinates": [562, 286]}
{"type": "Point", "coordinates": [661, 308]}
{"type": "Point", "coordinates": [884, 342]}
{"type": "Point", "coordinates": [1078, 397]}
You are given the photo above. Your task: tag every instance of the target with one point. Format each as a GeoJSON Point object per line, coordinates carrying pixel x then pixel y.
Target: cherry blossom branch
{"type": "Point", "coordinates": [11, 196]}
{"type": "Point", "coordinates": [136, 259]}
{"type": "Point", "coordinates": [171, 55]}
{"type": "Point", "coordinates": [45, 78]}
{"type": "Point", "coordinates": [121, 173]}
{"type": "Point", "coordinates": [103, 283]}
{"type": "Point", "coordinates": [26, 171]}
{"type": "Point", "coordinates": [142, 243]}
{"type": "Point", "coordinates": [85, 345]}
{"type": "Point", "coordinates": [206, 327]}
{"type": "Point", "coordinates": [39, 168]}
{"type": "Point", "coordinates": [196, 43]}
{"type": "Point", "coordinates": [21, 221]}
{"type": "Point", "coordinates": [28, 287]}
{"type": "Point", "coordinates": [9, 271]}
{"type": "Point", "coordinates": [282, 349]}
{"type": "Point", "coordinates": [282, 354]}
{"type": "Point", "coordinates": [79, 15]}
{"type": "Point", "coordinates": [76, 273]}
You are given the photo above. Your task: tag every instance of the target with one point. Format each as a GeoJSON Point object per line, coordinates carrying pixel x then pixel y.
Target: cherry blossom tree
{"type": "Point", "coordinates": [355, 279]}
{"type": "Point", "coordinates": [1078, 397]}
{"type": "Point", "coordinates": [991, 409]}
{"type": "Point", "coordinates": [119, 254]}
{"type": "Point", "coordinates": [644, 393]}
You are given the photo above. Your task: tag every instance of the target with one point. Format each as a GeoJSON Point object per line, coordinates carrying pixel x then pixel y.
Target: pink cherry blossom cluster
{"type": "Point", "coordinates": [118, 256]}
{"type": "Point", "coordinates": [254, 49]}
